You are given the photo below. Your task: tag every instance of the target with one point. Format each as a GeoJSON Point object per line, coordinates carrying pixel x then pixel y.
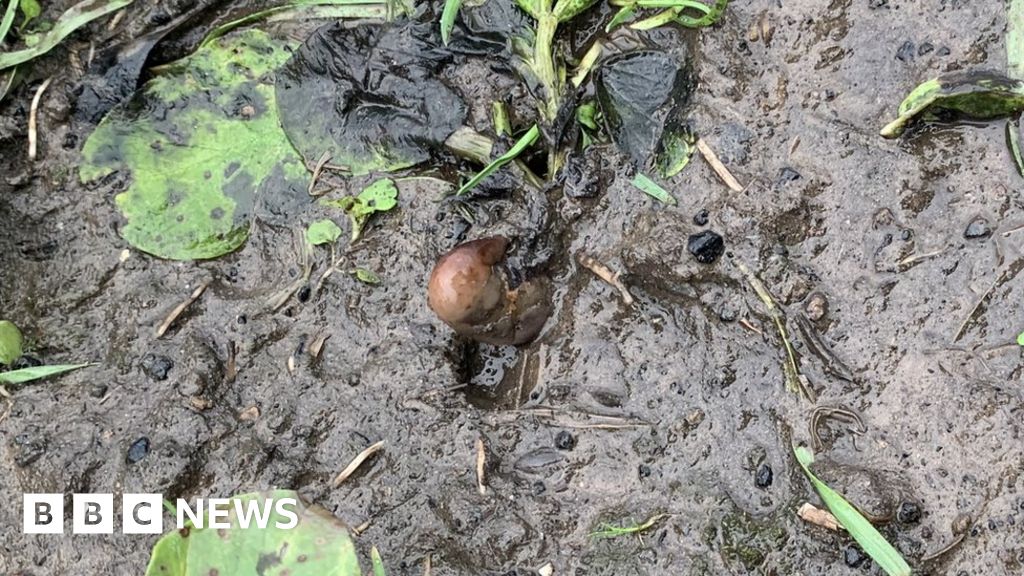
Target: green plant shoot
{"type": "Point", "coordinates": [524, 142]}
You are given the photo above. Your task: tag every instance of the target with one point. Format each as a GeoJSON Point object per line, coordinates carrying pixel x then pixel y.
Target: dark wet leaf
{"type": "Point", "coordinates": [979, 95]}
{"type": "Point", "coordinates": [10, 342]}
{"type": "Point", "coordinates": [322, 232]}
{"type": "Point", "coordinates": [77, 16]}
{"type": "Point", "coordinates": [201, 144]}
{"type": "Point", "coordinates": [319, 545]}
{"type": "Point", "coordinates": [653, 189]}
{"type": "Point", "coordinates": [639, 94]}
{"type": "Point", "coordinates": [369, 96]}
{"type": "Point", "coordinates": [873, 543]}
{"type": "Point", "coordinates": [37, 373]}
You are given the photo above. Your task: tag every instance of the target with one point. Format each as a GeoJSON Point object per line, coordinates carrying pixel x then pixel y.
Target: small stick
{"type": "Point", "coordinates": [718, 167]}
{"type": "Point", "coordinates": [481, 460]}
{"type": "Point", "coordinates": [426, 566]}
{"type": "Point", "coordinates": [356, 462]}
{"type": "Point", "coordinates": [318, 346]}
{"type": "Point", "coordinates": [361, 528]}
{"type": "Point", "coordinates": [231, 368]}
{"type": "Point", "coordinates": [814, 515]}
{"type": "Point", "coordinates": [181, 308]}
{"type": "Point", "coordinates": [318, 168]}
{"type": "Point", "coordinates": [33, 118]}
{"type": "Point", "coordinates": [746, 324]}
{"type": "Point", "coordinates": [605, 273]}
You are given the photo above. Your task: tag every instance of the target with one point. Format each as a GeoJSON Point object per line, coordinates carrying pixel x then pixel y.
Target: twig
{"type": "Point", "coordinates": [789, 368]}
{"type": "Point", "coordinates": [361, 528]}
{"type": "Point", "coordinates": [356, 462]}
{"type": "Point", "coordinates": [718, 167]}
{"type": "Point", "coordinates": [33, 117]}
{"type": "Point", "coordinates": [810, 513]}
{"type": "Point", "coordinates": [318, 346]}
{"type": "Point", "coordinates": [746, 324]}
{"type": "Point", "coordinates": [426, 565]}
{"type": "Point", "coordinates": [605, 273]}
{"type": "Point", "coordinates": [481, 461]}
{"type": "Point", "coordinates": [231, 368]}
{"type": "Point", "coordinates": [317, 170]}
{"type": "Point", "coordinates": [181, 308]}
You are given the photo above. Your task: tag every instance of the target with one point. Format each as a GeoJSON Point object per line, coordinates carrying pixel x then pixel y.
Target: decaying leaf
{"type": "Point", "coordinates": [318, 545]}
{"type": "Point", "coordinates": [369, 96]}
{"type": "Point", "coordinates": [980, 95]}
{"type": "Point", "coordinates": [201, 145]}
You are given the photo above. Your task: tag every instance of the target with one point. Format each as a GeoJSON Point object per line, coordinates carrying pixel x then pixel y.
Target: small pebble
{"type": "Point", "coordinates": [852, 556]}
{"type": "Point", "coordinates": [908, 513]}
{"type": "Point", "coordinates": [706, 246]}
{"type": "Point", "coordinates": [138, 450]}
{"type": "Point", "coordinates": [944, 51]}
{"type": "Point", "coordinates": [764, 475]}
{"type": "Point", "coordinates": [925, 48]}
{"type": "Point", "coordinates": [98, 390]}
{"type": "Point", "coordinates": [156, 366]}
{"type": "Point", "coordinates": [644, 471]}
{"type": "Point", "coordinates": [701, 218]}
{"type": "Point", "coordinates": [906, 52]}
{"type": "Point", "coordinates": [978, 228]}
{"type": "Point", "coordinates": [816, 306]}
{"type": "Point", "coordinates": [565, 441]}
{"type": "Point", "coordinates": [787, 175]}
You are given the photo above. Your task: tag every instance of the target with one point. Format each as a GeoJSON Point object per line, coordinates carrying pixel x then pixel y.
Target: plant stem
{"type": "Point", "coordinates": [544, 63]}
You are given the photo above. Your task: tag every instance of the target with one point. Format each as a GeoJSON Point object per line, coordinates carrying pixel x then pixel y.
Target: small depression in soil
{"type": "Point", "coordinates": [896, 264]}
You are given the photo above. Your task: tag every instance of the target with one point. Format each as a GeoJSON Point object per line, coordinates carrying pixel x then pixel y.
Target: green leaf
{"type": "Point", "coordinates": [8, 20]}
{"type": "Point", "coordinates": [37, 373]}
{"type": "Point", "coordinates": [203, 147]}
{"type": "Point", "coordinates": [366, 276]}
{"type": "Point", "coordinates": [652, 189]}
{"type": "Point", "coordinates": [77, 16]}
{"type": "Point", "coordinates": [531, 7]}
{"type": "Point", "coordinates": [586, 115]}
{"type": "Point", "coordinates": [10, 342]}
{"type": "Point", "coordinates": [380, 196]}
{"type": "Point", "coordinates": [451, 10]}
{"type": "Point", "coordinates": [675, 150]}
{"type": "Point", "coordinates": [873, 544]}
{"type": "Point", "coordinates": [625, 13]}
{"type": "Point", "coordinates": [319, 545]}
{"type": "Point", "coordinates": [30, 10]}
{"type": "Point", "coordinates": [524, 142]}
{"type": "Point", "coordinates": [378, 563]}
{"type": "Point", "coordinates": [1020, 339]}
{"type": "Point", "coordinates": [323, 232]}
{"type": "Point", "coordinates": [566, 10]}
{"type": "Point", "coordinates": [973, 94]}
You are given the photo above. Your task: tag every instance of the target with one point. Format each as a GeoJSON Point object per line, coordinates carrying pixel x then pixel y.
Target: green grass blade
{"type": "Point", "coordinates": [378, 563]}
{"type": "Point", "coordinates": [304, 9]}
{"type": "Point", "coordinates": [873, 543]}
{"type": "Point", "coordinates": [652, 189]}
{"type": "Point", "coordinates": [624, 14]}
{"type": "Point", "coordinates": [77, 16]}
{"type": "Point", "coordinates": [521, 145]}
{"type": "Point", "coordinates": [1015, 39]}
{"type": "Point", "coordinates": [37, 372]}
{"type": "Point", "coordinates": [5, 24]}
{"type": "Point", "coordinates": [451, 10]}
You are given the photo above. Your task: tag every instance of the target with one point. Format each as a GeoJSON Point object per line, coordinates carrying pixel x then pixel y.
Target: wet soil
{"type": "Point", "coordinates": [674, 406]}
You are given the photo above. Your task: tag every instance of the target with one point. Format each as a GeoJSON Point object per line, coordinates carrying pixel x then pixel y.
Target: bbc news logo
{"type": "Point", "coordinates": [143, 513]}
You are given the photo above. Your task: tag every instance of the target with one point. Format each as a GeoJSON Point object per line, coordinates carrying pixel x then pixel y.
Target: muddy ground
{"type": "Point", "coordinates": [675, 406]}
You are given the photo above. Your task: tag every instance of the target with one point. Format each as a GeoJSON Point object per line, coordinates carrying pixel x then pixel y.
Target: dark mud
{"type": "Point", "coordinates": [673, 406]}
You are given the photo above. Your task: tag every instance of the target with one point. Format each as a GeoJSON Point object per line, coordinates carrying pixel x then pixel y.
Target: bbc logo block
{"type": "Point", "coordinates": [93, 514]}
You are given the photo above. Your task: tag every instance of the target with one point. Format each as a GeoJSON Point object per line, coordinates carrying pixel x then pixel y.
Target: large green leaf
{"type": "Point", "coordinates": [202, 145]}
{"type": "Point", "coordinates": [319, 545]}
{"type": "Point", "coordinates": [10, 342]}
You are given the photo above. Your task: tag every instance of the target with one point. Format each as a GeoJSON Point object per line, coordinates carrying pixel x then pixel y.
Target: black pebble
{"type": "Point", "coordinates": [157, 366]}
{"type": "Point", "coordinates": [852, 556]}
{"type": "Point", "coordinates": [906, 52]}
{"type": "Point", "coordinates": [26, 361]}
{"type": "Point", "coordinates": [701, 218]}
{"type": "Point", "coordinates": [539, 488]}
{"type": "Point", "coordinates": [925, 48]}
{"type": "Point", "coordinates": [706, 246]}
{"type": "Point", "coordinates": [304, 293]}
{"type": "Point", "coordinates": [978, 228]}
{"type": "Point", "coordinates": [644, 471]}
{"type": "Point", "coordinates": [565, 441]}
{"type": "Point", "coordinates": [764, 475]}
{"type": "Point", "coordinates": [138, 450]}
{"type": "Point", "coordinates": [908, 513]}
